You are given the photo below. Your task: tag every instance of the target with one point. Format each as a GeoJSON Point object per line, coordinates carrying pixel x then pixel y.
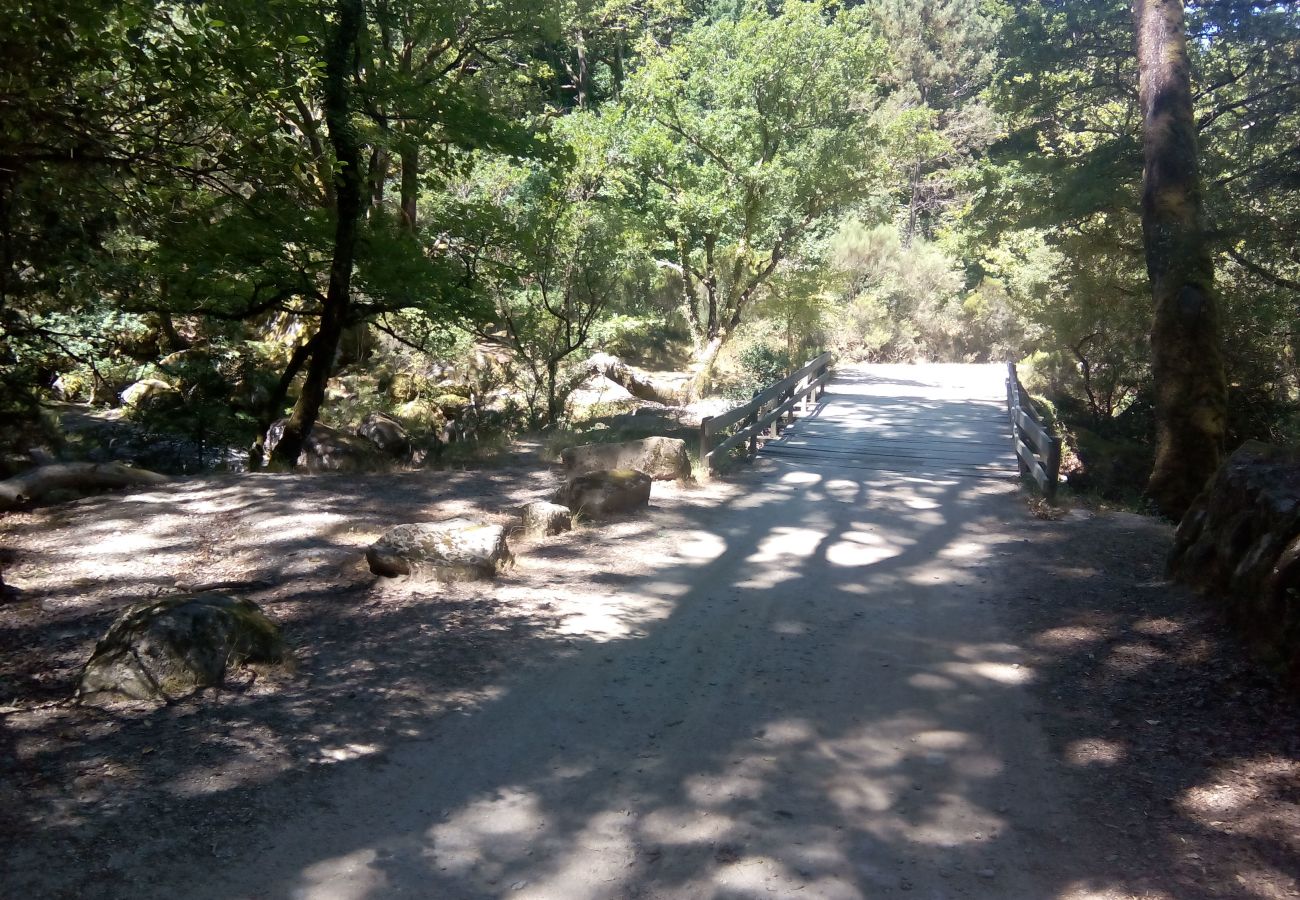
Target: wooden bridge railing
{"type": "Point", "coordinates": [1037, 451]}
{"type": "Point", "coordinates": [765, 412]}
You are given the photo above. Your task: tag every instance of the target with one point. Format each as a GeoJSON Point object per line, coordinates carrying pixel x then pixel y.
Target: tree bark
{"type": "Point", "coordinates": [348, 191]}
{"type": "Point", "coordinates": [1186, 351]}
{"type": "Point", "coordinates": [410, 157]}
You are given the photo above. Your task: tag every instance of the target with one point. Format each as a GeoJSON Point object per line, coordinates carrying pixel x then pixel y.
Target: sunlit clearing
{"type": "Point", "coordinates": [1095, 752]}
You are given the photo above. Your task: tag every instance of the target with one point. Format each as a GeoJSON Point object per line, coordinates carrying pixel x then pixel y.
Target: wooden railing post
{"type": "Point", "coordinates": [706, 464]}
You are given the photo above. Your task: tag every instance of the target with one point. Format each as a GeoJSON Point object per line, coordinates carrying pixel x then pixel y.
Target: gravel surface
{"type": "Point", "coordinates": [798, 681]}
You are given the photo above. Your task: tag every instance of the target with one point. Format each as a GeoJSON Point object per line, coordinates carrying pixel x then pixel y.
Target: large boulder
{"type": "Point", "coordinates": [661, 458]}
{"type": "Point", "coordinates": [1240, 542]}
{"type": "Point", "coordinates": [454, 550]}
{"type": "Point", "coordinates": [542, 519]}
{"type": "Point", "coordinates": [387, 434]}
{"type": "Point", "coordinates": [599, 494]}
{"type": "Point", "coordinates": [162, 650]}
{"type": "Point", "coordinates": [141, 391]}
{"type": "Point", "coordinates": [328, 449]}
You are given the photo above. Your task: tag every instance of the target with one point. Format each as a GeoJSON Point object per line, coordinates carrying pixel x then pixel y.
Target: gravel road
{"type": "Point", "coordinates": [806, 689]}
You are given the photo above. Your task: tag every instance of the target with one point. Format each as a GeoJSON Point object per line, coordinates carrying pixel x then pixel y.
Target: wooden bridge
{"type": "Point", "coordinates": [934, 419]}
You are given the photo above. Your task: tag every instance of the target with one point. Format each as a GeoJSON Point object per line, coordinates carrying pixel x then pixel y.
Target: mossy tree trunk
{"type": "Point", "coordinates": [339, 61]}
{"type": "Point", "coordinates": [1186, 352]}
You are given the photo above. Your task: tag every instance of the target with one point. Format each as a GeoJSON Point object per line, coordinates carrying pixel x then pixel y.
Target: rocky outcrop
{"type": "Point", "coordinates": [328, 449]}
{"type": "Point", "coordinates": [1240, 541]}
{"type": "Point", "coordinates": [600, 494]}
{"type": "Point", "coordinates": [166, 649]}
{"type": "Point", "coordinates": [659, 457]}
{"type": "Point", "coordinates": [542, 519]}
{"type": "Point", "coordinates": [387, 434]}
{"type": "Point", "coordinates": [454, 550]}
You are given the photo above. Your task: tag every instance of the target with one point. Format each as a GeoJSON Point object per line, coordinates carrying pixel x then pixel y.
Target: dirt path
{"type": "Point", "coordinates": [814, 680]}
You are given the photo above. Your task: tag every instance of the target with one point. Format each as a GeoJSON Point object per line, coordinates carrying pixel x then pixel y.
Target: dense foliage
{"type": "Point", "coordinates": [410, 202]}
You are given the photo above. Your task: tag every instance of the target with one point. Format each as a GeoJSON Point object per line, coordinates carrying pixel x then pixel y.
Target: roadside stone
{"type": "Point", "coordinates": [542, 519]}
{"type": "Point", "coordinates": [600, 494]}
{"type": "Point", "coordinates": [328, 449]}
{"type": "Point", "coordinates": [387, 434]}
{"type": "Point", "coordinates": [163, 650]}
{"type": "Point", "coordinates": [661, 458]}
{"type": "Point", "coordinates": [140, 391]}
{"type": "Point", "coordinates": [1240, 542]}
{"type": "Point", "coordinates": [454, 550]}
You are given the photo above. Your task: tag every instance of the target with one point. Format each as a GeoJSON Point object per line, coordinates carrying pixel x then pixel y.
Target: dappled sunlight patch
{"type": "Point", "coordinates": [1234, 800]}
{"type": "Point", "coordinates": [1133, 657]}
{"type": "Point", "coordinates": [346, 752]}
{"type": "Point", "coordinates": [1089, 890]}
{"type": "Point", "coordinates": [857, 549]}
{"type": "Point", "coordinates": [694, 545]}
{"type": "Point", "coordinates": [1157, 627]}
{"type": "Point", "coordinates": [794, 629]}
{"type": "Point", "coordinates": [612, 616]}
{"type": "Point", "coordinates": [1069, 637]}
{"type": "Point", "coordinates": [988, 671]}
{"type": "Point", "coordinates": [1095, 752]}
{"type": "Point", "coordinates": [353, 876]}
{"type": "Point", "coordinates": [928, 681]}
{"type": "Point", "coordinates": [787, 543]}
{"type": "Point", "coordinates": [800, 478]}
{"type": "Point", "coordinates": [685, 826]}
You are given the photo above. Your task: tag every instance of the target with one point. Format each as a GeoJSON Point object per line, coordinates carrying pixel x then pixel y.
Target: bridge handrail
{"type": "Point", "coordinates": [764, 412]}
{"type": "Point", "coordinates": [1037, 451]}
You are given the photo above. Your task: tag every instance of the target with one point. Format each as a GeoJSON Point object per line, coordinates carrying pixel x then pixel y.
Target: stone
{"type": "Point", "coordinates": [542, 519]}
{"type": "Point", "coordinates": [137, 393]}
{"type": "Point", "coordinates": [328, 449]}
{"type": "Point", "coordinates": [605, 493]}
{"type": "Point", "coordinates": [1240, 543]}
{"type": "Point", "coordinates": [454, 550]}
{"type": "Point", "coordinates": [162, 650]}
{"type": "Point", "coordinates": [387, 434]}
{"type": "Point", "coordinates": [661, 458]}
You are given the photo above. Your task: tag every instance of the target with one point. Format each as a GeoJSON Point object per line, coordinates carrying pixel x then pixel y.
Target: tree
{"type": "Point", "coordinates": [1186, 355]}
{"type": "Point", "coordinates": [564, 253]}
{"type": "Point", "coordinates": [744, 139]}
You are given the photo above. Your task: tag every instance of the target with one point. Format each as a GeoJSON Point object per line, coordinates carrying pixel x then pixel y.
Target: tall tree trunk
{"type": "Point", "coordinates": [348, 190]}
{"type": "Point", "coordinates": [410, 158]}
{"type": "Point", "coordinates": [1186, 352]}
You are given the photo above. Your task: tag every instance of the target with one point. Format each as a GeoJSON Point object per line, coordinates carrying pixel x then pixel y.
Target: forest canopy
{"type": "Point", "coordinates": [223, 215]}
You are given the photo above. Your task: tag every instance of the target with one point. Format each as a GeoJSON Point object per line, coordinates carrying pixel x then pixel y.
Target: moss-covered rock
{"type": "Point", "coordinates": [162, 650]}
